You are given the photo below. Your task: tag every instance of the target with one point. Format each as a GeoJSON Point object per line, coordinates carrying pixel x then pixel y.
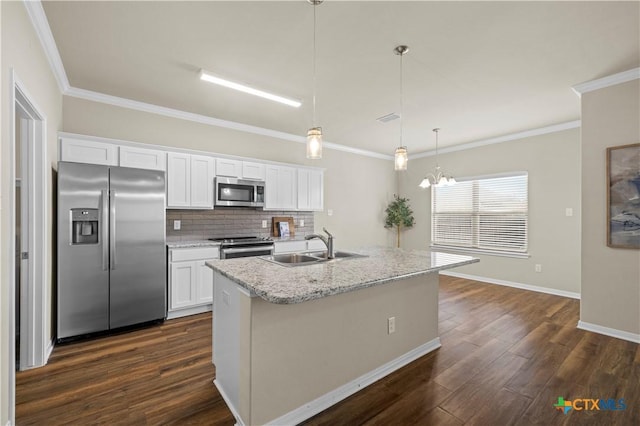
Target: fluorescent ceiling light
{"type": "Point", "coordinates": [206, 76]}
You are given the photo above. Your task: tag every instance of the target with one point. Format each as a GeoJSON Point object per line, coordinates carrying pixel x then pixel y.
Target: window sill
{"type": "Point", "coordinates": [480, 251]}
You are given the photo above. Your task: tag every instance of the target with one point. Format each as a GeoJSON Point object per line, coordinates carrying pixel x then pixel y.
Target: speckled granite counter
{"type": "Point", "coordinates": [193, 243]}
{"type": "Point", "coordinates": [287, 285]}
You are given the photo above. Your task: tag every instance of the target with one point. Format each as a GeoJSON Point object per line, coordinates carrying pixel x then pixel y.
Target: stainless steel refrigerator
{"type": "Point", "coordinates": [111, 248]}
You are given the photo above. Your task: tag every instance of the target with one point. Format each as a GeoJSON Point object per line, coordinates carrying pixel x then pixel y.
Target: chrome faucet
{"type": "Point", "coordinates": [327, 242]}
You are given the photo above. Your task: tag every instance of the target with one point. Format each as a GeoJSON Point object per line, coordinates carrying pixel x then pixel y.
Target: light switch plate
{"type": "Point", "coordinates": [301, 222]}
{"type": "Point", "coordinates": [176, 225]}
{"type": "Point", "coordinates": [568, 211]}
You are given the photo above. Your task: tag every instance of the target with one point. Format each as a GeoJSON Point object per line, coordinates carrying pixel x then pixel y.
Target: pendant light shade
{"type": "Point", "coordinates": [314, 143]}
{"type": "Point", "coordinates": [314, 134]}
{"type": "Point", "coordinates": [401, 156]}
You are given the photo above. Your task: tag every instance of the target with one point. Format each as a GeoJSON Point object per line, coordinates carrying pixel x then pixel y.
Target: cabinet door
{"type": "Point", "coordinates": [142, 158]}
{"type": "Point", "coordinates": [182, 285]}
{"type": "Point", "coordinates": [202, 181]}
{"type": "Point", "coordinates": [252, 170]}
{"type": "Point", "coordinates": [229, 168]}
{"type": "Point", "coordinates": [205, 283]}
{"type": "Point", "coordinates": [86, 151]}
{"type": "Point", "coordinates": [287, 188]}
{"type": "Point", "coordinates": [271, 187]}
{"type": "Point", "coordinates": [316, 189]}
{"type": "Point", "coordinates": [178, 180]}
{"type": "Point", "coordinates": [304, 199]}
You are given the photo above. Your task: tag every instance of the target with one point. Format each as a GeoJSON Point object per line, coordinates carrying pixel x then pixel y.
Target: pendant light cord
{"type": "Point", "coordinates": [314, 64]}
{"type": "Point", "coordinates": [401, 99]}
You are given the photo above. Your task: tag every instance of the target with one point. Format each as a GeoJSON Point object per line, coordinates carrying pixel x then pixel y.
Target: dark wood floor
{"type": "Point", "coordinates": [506, 357]}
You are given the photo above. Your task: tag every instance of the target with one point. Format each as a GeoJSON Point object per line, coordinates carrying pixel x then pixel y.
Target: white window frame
{"type": "Point", "coordinates": [475, 213]}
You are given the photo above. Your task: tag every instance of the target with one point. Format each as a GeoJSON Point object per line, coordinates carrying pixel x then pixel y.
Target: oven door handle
{"type": "Point", "coordinates": [247, 250]}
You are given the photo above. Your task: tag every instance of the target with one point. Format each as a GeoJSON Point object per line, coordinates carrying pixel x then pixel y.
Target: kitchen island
{"type": "Point", "coordinates": [288, 342]}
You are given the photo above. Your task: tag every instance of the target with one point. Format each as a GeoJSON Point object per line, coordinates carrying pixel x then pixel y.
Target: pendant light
{"type": "Point", "coordinates": [314, 134]}
{"type": "Point", "coordinates": [401, 157]}
{"type": "Point", "coordinates": [438, 177]}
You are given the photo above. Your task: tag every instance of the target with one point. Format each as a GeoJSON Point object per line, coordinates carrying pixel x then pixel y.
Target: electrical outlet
{"type": "Point", "coordinates": [538, 267]}
{"type": "Point", "coordinates": [264, 223]}
{"type": "Point", "coordinates": [176, 225]}
{"type": "Point", "coordinates": [301, 222]}
{"type": "Point", "coordinates": [391, 325]}
{"type": "Point", "coordinates": [568, 212]}
{"type": "Point", "coordinates": [329, 212]}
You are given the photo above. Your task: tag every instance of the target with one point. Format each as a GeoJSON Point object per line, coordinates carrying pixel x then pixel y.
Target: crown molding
{"type": "Point", "coordinates": [211, 121]}
{"type": "Point", "coordinates": [601, 83]}
{"type": "Point", "coordinates": [505, 138]}
{"type": "Point", "coordinates": [41, 26]}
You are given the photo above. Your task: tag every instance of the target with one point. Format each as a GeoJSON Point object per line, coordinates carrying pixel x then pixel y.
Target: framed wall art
{"type": "Point", "coordinates": [623, 196]}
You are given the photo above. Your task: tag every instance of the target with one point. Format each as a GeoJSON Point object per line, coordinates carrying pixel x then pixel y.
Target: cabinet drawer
{"type": "Point", "coordinates": [196, 253]}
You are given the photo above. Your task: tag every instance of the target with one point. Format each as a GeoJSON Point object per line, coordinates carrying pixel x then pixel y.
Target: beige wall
{"type": "Point", "coordinates": [21, 50]}
{"type": "Point", "coordinates": [357, 188]}
{"type": "Point", "coordinates": [301, 351]}
{"type": "Point", "coordinates": [553, 164]}
{"type": "Point", "coordinates": [611, 276]}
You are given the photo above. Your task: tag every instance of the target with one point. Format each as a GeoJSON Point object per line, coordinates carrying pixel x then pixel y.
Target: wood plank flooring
{"type": "Point", "coordinates": [506, 357]}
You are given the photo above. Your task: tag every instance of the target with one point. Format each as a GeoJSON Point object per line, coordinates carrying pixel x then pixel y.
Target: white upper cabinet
{"type": "Point", "coordinates": [88, 151]}
{"type": "Point", "coordinates": [202, 168]}
{"type": "Point", "coordinates": [228, 168]}
{"type": "Point", "coordinates": [310, 189]}
{"type": "Point", "coordinates": [189, 181]}
{"type": "Point", "coordinates": [280, 188]}
{"type": "Point", "coordinates": [178, 180]}
{"type": "Point", "coordinates": [142, 158]}
{"type": "Point", "coordinates": [251, 170]}
{"type": "Point", "coordinates": [239, 169]}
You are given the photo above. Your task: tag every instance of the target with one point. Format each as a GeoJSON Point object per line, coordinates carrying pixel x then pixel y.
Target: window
{"type": "Point", "coordinates": [488, 214]}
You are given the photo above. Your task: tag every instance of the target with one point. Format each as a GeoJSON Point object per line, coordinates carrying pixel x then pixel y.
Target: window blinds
{"type": "Point", "coordinates": [489, 214]}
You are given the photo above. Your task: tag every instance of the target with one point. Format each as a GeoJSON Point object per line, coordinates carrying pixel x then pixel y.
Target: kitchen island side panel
{"type": "Point", "coordinates": [300, 352]}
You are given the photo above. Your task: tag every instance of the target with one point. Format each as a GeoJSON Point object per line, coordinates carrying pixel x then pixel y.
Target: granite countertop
{"type": "Point", "coordinates": [286, 285]}
{"type": "Point", "coordinates": [193, 243]}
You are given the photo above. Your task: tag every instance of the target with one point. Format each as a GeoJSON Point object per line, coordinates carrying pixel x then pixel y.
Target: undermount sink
{"type": "Point", "coordinates": [338, 255]}
{"type": "Point", "coordinates": [301, 259]}
{"type": "Point", "coordinates": [292, 258]}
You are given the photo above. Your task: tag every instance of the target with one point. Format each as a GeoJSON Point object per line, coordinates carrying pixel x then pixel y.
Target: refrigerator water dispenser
{"type": "Point", "coordinates": [84, 226]}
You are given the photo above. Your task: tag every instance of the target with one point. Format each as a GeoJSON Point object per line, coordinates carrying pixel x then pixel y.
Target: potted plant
{"type": "Point", "coordinates": [399, 214]}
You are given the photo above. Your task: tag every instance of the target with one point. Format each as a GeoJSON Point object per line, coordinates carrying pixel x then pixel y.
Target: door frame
{"type": "Point", "coordinates": [37, 310]}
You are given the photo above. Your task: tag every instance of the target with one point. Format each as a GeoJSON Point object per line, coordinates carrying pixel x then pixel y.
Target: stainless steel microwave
{"type": "Point", "coordinates": [232, 192]}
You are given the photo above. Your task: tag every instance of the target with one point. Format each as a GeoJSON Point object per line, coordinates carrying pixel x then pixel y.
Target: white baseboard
{"type": "Point", "coordinates": [312, 408]}
{"type": "Point", "coordinates": [227, 400]}
{"type": "Point", "coordinates": [612, 332]}
{"type": "Point", "coordinates": [546, 290]}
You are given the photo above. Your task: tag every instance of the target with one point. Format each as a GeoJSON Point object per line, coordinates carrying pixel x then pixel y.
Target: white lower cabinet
{"type": "Point", "coordinates": [190, 280]}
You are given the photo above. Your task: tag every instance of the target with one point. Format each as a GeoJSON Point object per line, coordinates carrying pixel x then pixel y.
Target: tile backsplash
{"type": "Point", "coordinates": [230, 222]}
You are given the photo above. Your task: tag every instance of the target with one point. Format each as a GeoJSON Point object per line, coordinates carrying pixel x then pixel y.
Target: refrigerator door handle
{"type": "Point", "coordinates": [112, 229]}
{"type": "Point", "coordinates": [105, 229]}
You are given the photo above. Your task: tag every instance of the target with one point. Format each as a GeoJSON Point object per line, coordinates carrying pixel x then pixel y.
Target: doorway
{"type": "Point", "coordinates": [30, 305]}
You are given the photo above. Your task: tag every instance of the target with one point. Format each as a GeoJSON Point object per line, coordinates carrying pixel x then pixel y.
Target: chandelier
{"type": "Point", "coordinates": [438, 177]}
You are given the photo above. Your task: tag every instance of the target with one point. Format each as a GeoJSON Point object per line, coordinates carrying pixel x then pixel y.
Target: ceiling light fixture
{"type": "Point", "coordinates": [207, 76]}
{"type": "Point", "coordinates": [401, 157]}
{"type": "Point", "coordinates": [314, 134]}
{"type": "Point", "coordinates": [438, 177]}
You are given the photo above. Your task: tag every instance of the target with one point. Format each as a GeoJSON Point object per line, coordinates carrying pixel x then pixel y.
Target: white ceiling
{"type": "Point", "coordinates": [475, 69]}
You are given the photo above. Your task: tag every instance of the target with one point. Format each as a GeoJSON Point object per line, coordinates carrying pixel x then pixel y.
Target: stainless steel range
{"type": "Point", "coordinates": [234, 247]}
